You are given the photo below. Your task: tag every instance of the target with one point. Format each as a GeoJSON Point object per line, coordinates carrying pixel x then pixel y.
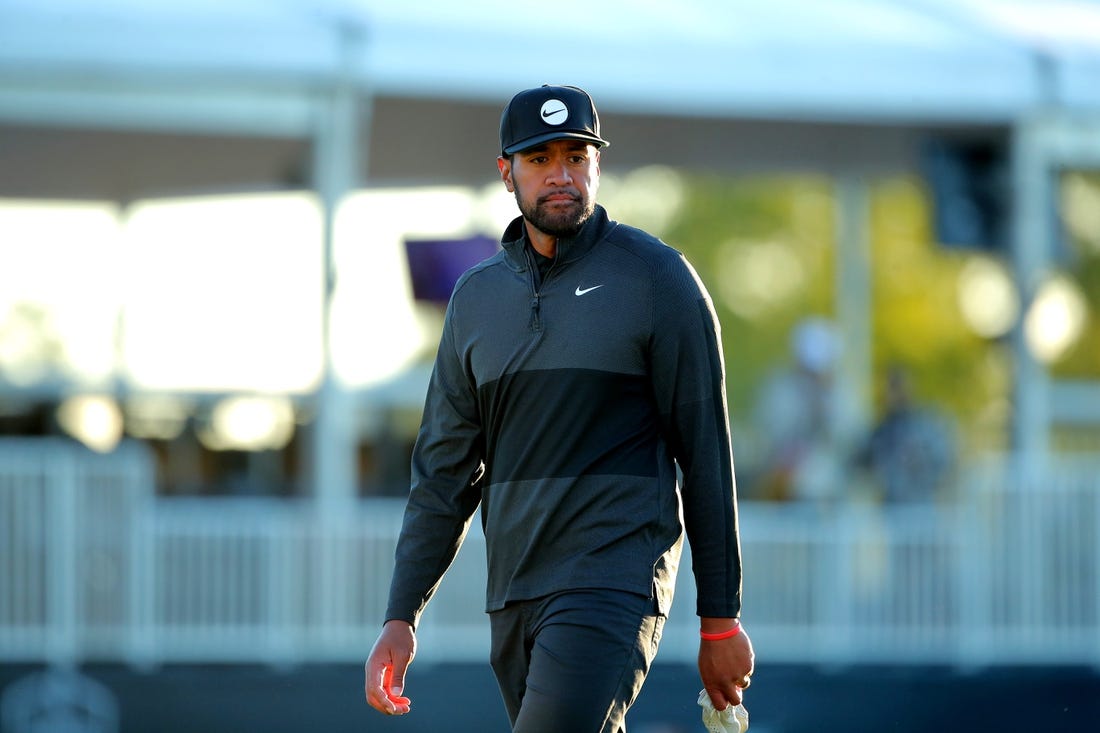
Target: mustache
{"type": "Point", "coordinates": [574, 194]}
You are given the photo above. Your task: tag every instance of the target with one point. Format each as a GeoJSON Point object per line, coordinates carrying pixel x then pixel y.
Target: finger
{"type": "Point", "coordinates": [387, 678]}
{"type": "Point", "coordinates": [397, 699]}
{"type": "Point", "coordinates": [376, 694]}
{"type": "Point", "coordinates": [393, 692]}
{"type": "Point", "coordinates": [396, 682]}
{"type": "Point", "coordinates": [718, 699]}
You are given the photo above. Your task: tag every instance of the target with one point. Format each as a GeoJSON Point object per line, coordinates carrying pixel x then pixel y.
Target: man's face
{"type": "Point", "coordinates": [555, 184]}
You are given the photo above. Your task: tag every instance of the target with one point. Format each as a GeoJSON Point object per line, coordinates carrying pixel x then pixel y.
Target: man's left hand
{"type": "Point", "coordinates": [725, 667]}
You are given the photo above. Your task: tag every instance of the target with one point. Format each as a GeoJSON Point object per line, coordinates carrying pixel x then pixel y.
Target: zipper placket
{"type": "Point", "coordinates": [536, 290]}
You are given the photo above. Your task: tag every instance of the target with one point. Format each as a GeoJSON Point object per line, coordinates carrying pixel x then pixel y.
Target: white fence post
{"type": "Point", "coordinates": [61, 550]}
{"type": "Point", "coordinates": [141, 586]}
{"type": "Point", "coordinates": [973, 578]}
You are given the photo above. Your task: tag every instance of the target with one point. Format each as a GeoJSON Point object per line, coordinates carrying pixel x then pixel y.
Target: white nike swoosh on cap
{"type": "Point", "coordinates": [587, 290]}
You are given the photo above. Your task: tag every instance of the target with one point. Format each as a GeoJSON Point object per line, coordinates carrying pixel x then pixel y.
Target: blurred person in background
{"type": "Point", "coordinates": [803, 419]}
{"type": "Point", "coordinates": [578, 368]}
{"type": "Point", "coordinates": [910, 453]}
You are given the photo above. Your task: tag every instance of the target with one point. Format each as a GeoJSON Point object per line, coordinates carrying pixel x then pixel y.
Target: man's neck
{"type": "Point", "coordinates": [543, 243]}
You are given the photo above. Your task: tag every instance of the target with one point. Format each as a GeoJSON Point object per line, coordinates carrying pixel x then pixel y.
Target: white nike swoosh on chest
{"type": "Point", "coordinates": [587, 290]}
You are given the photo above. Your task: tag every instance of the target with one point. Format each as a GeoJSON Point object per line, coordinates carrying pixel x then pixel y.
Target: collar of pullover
{"type": "Point", "coordinates": [569, 248]}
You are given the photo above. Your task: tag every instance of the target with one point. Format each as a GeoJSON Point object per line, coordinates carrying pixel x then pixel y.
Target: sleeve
{"type": "Point", "coordinates": [446, 468]}
{"type": "Point", "coordinates": [689, 383]}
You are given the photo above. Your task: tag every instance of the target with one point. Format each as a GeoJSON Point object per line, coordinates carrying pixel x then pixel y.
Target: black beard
{"type": "Point", "coordinates": [563, 224]}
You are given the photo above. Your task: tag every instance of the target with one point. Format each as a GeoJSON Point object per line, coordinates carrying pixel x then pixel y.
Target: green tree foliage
{"type": "Point", "coordinates": [766, 249]}
{"type": "Point", "coordinates": [763, 247]}
{"type": "Point", "coordinates": [1080, 213]}
{"type": "Point", "coordinates": [916, 321]}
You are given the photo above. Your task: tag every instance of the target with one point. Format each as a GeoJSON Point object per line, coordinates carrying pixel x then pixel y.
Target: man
{"type": "Point", "coordinates": [577, 368]}
{"type": "Point", "coordinates": [910, 451]}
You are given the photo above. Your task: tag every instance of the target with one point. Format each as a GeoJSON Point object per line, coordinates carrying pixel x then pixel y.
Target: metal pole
{"type": "Point", "coordinates": [336, 167]}
{"type": "Point", "coordinates": [1031, 200]}
{"type": "Point", "coordinates": [853, 301]}
{"type": "Point", "coordinates": [334, 435]}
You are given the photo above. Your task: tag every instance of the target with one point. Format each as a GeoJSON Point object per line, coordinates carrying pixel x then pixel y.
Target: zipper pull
{"type": "Point", "coordinates": [535, 312]}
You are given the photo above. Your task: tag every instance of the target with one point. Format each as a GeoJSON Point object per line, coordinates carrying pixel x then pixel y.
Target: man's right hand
{"type": "Point", "coordinates": [385, 669]}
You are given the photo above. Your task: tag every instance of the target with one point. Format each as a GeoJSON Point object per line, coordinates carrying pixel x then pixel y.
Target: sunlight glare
{"type": "Point", "coordinates": [987, 297]}
{"type": "Point", "coordinates": [754, 277]}
{"type": "Point", "coordinates": [224, 293]}
{"type": "Point", "coordinates": [58, 289]}
{"type": "Point", "coordinates": [1056, 319]}
{"type": "Point", "coordinates": [249, 423]}
{"type": "Point", "coordinates": [94, 420]}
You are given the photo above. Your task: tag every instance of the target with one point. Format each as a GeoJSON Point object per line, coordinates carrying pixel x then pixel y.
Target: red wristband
{"type": "Point", "coordinates": [722, 634]}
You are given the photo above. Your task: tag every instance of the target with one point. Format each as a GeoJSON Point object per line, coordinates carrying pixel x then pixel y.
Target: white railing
{"type": "Point", "coordinates": [93, 567]}
{"type": "Point", "coordinates": [70, 548]}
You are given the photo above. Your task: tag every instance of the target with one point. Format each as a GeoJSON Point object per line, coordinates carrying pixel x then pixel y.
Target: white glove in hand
{"type": "Point", "coordinates": [734, 719]}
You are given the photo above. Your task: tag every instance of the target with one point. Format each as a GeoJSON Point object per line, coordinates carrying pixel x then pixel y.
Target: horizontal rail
{"type": "Point", "coordinates": [94, 567]}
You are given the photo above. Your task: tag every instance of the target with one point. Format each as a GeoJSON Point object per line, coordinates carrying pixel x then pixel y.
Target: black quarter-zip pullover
{"type": "Point", "coordinates": [562, 406]}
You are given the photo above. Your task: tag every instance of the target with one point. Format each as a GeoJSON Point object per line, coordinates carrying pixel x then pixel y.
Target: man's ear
{"type": "Point", "coordinates": [504, 165]}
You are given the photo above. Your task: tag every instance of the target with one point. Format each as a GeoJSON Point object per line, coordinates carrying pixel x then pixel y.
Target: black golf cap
{"type": "Point", "coordinates": [546, 113]}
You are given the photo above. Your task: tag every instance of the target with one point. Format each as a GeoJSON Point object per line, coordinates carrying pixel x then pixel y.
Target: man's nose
{"type": "Point", "coordinates": [559, 174]}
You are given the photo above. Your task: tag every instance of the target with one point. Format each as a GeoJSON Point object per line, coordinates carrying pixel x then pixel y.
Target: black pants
{"type": "Point", "coordinates": [574, 662]}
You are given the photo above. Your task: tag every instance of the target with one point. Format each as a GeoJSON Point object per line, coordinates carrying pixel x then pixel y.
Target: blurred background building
{"type": "Point", "coordinates": [227, 232]}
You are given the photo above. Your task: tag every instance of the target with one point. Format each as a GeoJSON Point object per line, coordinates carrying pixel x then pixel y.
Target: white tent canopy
{"type": "Point", "coordinates": [855, 60]}
{"type": "Point", "coordinates": [734, 84]}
